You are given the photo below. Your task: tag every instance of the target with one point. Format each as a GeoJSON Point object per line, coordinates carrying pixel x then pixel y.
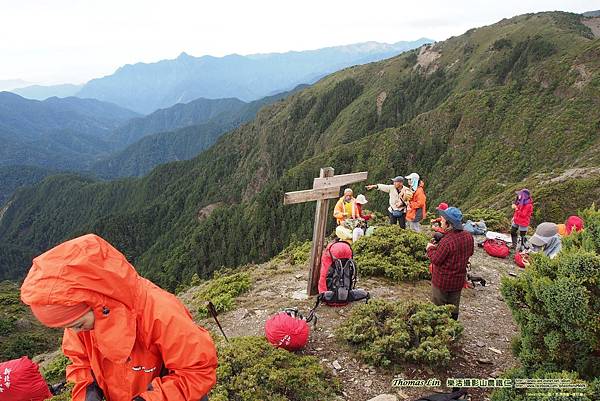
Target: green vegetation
{"type": "Point", "coordinates": [556, 304]}
{"type": "Point", "coordinates": [13, 177]}
{"type": "Point", "coordinates": [387, 333]}
{"type": "Point", "coordinates": [495, 220]}
{"type": "Point", "coordinates": [474, 123]}
{"type": "Point", "coordinates": [222, 291]}
{"type": "Point", "coordinates": [20, 333]}
{"type": "Point", "coordinates": [65, 395]}
{"type": "Point", "coordinates": [296, 253]}
{"type": "Point", "coordinates": [252, 369]}
{"type": "Point", "coordinates": [393, 253]}
{"type": "Point", "coordinates": [56, 370]}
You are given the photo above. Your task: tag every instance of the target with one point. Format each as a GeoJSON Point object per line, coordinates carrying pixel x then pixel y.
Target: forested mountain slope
{"type": "Point", "coordinates": [479, 115]}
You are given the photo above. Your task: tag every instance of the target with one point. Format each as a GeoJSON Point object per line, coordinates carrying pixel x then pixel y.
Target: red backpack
{"type": "Point", "coordinates": [496, 248]}
{"type": "Point", "coordinates": [20, 380]}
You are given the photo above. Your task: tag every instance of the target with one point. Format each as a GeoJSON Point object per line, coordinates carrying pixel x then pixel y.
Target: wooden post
{"type": "Point", "coordinates": [318, 238]}
{"type": "Point", "coordinates": [326, 187]}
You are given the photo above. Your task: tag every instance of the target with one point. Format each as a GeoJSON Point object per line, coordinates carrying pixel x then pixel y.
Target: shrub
{"type": "Point", "coordinates": [556, 304]}
{"type": "Point", "coordinates": [495, 220]}
{"type": "Point", "coordinates": [56, 370]}
{"type": "Point", "coordinates": [222, 291]}
{"type": "Point", "coordinates": [589, 238]}
{"type": "Point", "coordinates": [387, 333]}
{"type": "Point", "coordinates": [296, 253]}
{"type": "Point", "coordinates": [252, 369]}
{"type": "Point", "coordinates": [394, 253]}
{"type": "Point", "coordinates": [65, 395]}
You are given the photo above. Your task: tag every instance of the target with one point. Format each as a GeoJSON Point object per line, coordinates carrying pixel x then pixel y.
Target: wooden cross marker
{"type": "Point", "coordinates": [326, 187]}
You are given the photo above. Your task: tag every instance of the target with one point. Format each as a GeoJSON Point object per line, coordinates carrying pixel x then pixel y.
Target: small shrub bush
{"type": "Point", "coordinates": [296, 253]}
{"type": "Point", "coordinates": [387, 333]}
{"type": "Point", "coordinates": [56, 371]}
{"type": "Point", "coordinates": [495, 220]}
{"type": "Point", "coordinates": [556, 304]}
{"type": "Point", "coordinates": [393, 253]}
{"type": "Point", "coordinates": [252, 369]}
{"type": "Point", "coordinates": [222, 291]}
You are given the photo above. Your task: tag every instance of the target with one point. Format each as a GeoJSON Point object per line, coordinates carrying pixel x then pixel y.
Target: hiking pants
{"type": "Point", "coordinates": [415, 226]}
{"type": "Point", "coordinates": [398, 220]}
{"type": "Point", "coordinates": [513, 234]}
{"type": "Point", "coordinates": [439, 298]}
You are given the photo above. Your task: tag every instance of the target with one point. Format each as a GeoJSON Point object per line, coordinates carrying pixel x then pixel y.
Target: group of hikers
{"type": "Point", "coordinates": [407, 206]}
{"type": "Point", "coordinates": [452, 245]}
{"type": "Point", "coordinates": [127, 339]}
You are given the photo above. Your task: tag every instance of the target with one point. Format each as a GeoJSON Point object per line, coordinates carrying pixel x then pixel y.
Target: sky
{"type": "Point", "coordinates": [73, 41]}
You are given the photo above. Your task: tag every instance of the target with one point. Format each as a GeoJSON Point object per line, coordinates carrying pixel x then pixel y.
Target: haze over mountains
{"type": "Point", "coordinates": [145, 88]}
{"type": "Point", "coordinates": [479, 115]}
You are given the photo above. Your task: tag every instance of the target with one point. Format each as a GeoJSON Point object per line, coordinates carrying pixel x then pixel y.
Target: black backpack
{"type": "Point", "coordinates": [341, 281]}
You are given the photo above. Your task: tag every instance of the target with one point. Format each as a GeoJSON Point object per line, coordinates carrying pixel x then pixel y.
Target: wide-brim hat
{"type": "Point", "coordinates": [454, 216]}
{"type": "Point", "coordinates": [544, 233]}
{"type": "Point", "coordinates": [361, 199]}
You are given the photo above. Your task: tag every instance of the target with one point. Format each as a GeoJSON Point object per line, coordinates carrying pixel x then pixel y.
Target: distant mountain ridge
{"type": "Point", "coordinates": [202, 122]}
{"type": "Point", "coordinates": [43, 92]}
{"type": "Point", "coordinates": [148, 87]}
{"type": "Point", "coordinates": [56, 133]}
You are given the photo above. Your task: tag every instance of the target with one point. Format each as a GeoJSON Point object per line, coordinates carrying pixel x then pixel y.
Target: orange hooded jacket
{"type": "Point", "coordinates": [417, 202]}
{"type": "Point", "coordinates": [340, 210]}
{"type": "Point", "coordinates": [139, 328]}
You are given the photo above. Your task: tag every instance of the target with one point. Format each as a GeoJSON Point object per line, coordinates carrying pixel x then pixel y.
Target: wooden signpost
{"type": "Point", "coordinates": [326, 187]}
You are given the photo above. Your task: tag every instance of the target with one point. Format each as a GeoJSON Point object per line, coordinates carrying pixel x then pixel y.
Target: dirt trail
{"type": "Point", "coordinates": [483, 350]}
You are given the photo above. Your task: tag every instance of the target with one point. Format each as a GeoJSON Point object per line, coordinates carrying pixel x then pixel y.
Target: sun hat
{"type": "Point", "coordinates": [361, 199]}
{"type": "Point", "coordinates": [454, 216]}
{"type": "Point", "coordinates": [544, 233]}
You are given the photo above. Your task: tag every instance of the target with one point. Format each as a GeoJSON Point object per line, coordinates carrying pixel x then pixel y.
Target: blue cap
{"type": "Point", "coordinates": [454, 216]}
{"type": "Point", "coordinates": [398, 179]}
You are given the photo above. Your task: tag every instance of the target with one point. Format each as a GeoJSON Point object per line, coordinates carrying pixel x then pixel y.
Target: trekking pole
{"type": "Point", "coordinates": [213, 312]}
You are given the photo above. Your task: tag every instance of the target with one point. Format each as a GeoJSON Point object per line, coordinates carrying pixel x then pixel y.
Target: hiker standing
{"type": "Point", "coordinates": [523, 207]}
{"type": "Point", "coordinates": [345, 208]}
{"type": "Point", "coordinates": [416, 209]}
{"type": "Point", "coordinates": [449, 259]}
{"type": "Point", "coordinates": [126, 338]}
{"type": "Point", "coordinates": [399, 196]}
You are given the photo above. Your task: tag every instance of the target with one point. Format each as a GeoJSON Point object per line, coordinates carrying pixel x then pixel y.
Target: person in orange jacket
{"type": "Point", "coordinates": [127, 339]}
{"type": "Point", "coordinates": [417, 205]}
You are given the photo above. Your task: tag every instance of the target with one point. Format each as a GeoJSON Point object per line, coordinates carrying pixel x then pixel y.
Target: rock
{"type": "Point", "coordinates": [480, 343]}
{"type": "Point", "coordinates": [402, 394]}
{"type": "Point", "coordinates": [384, 397]}
{"type": "Point", "coordinates": [497, 351]}
{"type": "Point", "coordinates": [496, 373]}
{"type": "Point", "coordinates": [336, 365]}
{"type": "Point", "coordinates": [299, 275]}
{"type": "Point", "coordinates": [368, 383]}
{"type": "Point", "coordinates": [319, 349]}
{"type": "Point", "coordinates": [240, 314]}
{"type": "Point", "coordinates": [330, 335]}
{"type": "Point", "coordinates": [484, 361]}
{"type": "Point", "coordinates": [299, 295]}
